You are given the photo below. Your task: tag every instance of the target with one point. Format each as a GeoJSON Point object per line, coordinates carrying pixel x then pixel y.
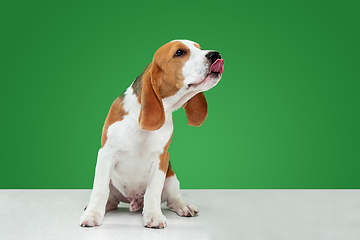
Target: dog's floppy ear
{"type": "Point", "coordinates": [152, 114]}
{"type": "Point", "coordinates": [196, 110]}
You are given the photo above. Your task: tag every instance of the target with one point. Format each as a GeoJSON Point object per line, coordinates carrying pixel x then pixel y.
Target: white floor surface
{"type": "Point", "coordinates": [224, 214]}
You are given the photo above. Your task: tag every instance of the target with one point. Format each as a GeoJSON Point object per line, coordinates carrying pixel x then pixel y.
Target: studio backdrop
{"type": "Point", "coordinates": [285, 114]}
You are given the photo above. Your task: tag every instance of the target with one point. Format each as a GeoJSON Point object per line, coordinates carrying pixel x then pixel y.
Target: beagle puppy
{"type": "Point", "coordinates": [133, 162]}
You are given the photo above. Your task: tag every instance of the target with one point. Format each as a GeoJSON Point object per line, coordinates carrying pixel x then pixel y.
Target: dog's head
{"type": "Point", "coordinates": [178, 75]}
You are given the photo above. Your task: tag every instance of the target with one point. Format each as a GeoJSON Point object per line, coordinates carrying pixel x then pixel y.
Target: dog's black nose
{"type": "Point", "coordinates": [213, 56]}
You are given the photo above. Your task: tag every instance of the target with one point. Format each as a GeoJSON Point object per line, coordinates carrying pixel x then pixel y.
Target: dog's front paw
{"type": "Point", "coordinates": [154, 221]}
{"type": "Point", "coordinates": [91, 219]}
{"type": "Point", "coordinates": [185, 210]}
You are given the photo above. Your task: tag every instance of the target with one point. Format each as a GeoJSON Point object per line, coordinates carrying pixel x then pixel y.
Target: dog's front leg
{"type": "Point", "coordinates": [95, 210]}
{"type": "Point", "coordinates": [153, 217]}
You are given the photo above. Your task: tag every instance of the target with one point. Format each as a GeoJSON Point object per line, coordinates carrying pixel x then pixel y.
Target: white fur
{"type": "Point", "coordinates": [130, 156]}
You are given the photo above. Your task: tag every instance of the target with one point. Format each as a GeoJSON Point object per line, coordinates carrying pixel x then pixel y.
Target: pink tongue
{"type": "Point", "coordinates": [217, 66]}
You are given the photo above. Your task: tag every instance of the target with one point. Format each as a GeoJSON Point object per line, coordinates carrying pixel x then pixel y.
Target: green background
{"type": "Point", "coordinates": [285, 114]}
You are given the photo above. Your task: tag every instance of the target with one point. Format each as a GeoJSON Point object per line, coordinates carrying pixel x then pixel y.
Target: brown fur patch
{"type": "Point", "coordinates": [137, 84]}
{"type": "Point", "coordinates": [164, 158]}
{"type": "Point", "coordinates": [162, 78]}
{"type": "Point", "coordinates": [170, 171]}
{"type": "Point", "coordinates": [115, 114]}
{"type": "Point", "coordinates": [152, 114]}
{"type": "Point", "coordinates": [169, 74]}
{"type": "Point", "coordinates": [197, 45]}
{"type": "Point", "coordinates": [167, 70]}
{"type": "Point", "coordinates": [196, 110]}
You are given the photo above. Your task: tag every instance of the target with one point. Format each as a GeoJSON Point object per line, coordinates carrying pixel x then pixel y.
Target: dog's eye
{"type": "Point", "coordinates": [179, 53]}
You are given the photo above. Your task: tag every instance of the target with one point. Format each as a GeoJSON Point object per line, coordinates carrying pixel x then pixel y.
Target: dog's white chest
{"type": "Point", "coordinates": [131, 174]}
{"type": "Point", "coordinates": [135, 151]}
{"type": "Point", "coordinates": [131, 179]}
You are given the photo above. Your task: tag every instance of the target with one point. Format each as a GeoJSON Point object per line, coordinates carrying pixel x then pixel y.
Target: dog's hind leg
{"type": "Point", "coordinates": [171, 194]}
{"type": "Point", "coordinates": [115, 197]}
